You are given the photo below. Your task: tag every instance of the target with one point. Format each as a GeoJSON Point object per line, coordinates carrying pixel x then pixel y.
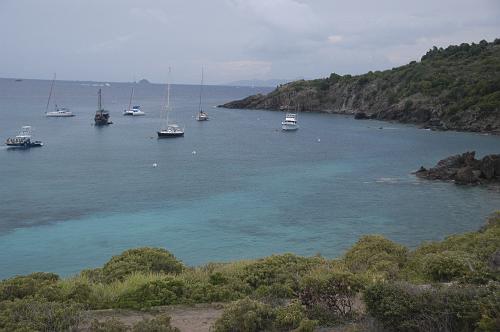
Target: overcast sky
{"type": "Point", "coordinates": [117, 40]}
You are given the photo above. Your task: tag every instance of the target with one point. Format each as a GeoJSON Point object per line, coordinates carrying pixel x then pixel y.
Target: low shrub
{"type": "Point", "coordinates": [30, 314]}
{"type": "Point", "coordinates": [23, 286]}
{"type": "Point", "coordinates": [109, 325]}
{"type": "Point", "coordinates": [279, 269]}
{"type": "Point", "coordinates": [245, 316]}
{"type": "Point", "coordinates": [165, 291]}
{"type": "Point", "coordinates": [329, 295]}
{"type": "Point", "coordinates": [160, 323]}
{"type": "Point", "coordinates": [453, 265]}
{"type": "Point", "coordinates": [289, 317]}
{"type": "Point", "coordinates": [405, 307]}
{"type": "Point", "coordinates": [145, 260]}
{"type": "Point", "coordinates": [377, 255]}
{"type": "Point", "coordinates": [306, 325]}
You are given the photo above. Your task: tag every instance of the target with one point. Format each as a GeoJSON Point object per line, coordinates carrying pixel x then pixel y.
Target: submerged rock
{"type": "Point", "coordinates": [464, 169]}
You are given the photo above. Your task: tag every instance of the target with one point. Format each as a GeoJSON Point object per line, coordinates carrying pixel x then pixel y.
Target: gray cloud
{"type": "Point", "coordinates": [115, 40]}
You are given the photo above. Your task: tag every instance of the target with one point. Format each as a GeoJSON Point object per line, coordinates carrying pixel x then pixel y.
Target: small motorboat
{"type": "Point", "coordinates": [23, 140]}
{"type": "Point", "coordinates": [290, 122]}
{"type": "Point", "coordinates": [172, 130]}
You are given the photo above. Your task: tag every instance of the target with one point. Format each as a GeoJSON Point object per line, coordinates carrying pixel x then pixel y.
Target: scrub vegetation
{"type": "Point", "coordinates": [451, 285]}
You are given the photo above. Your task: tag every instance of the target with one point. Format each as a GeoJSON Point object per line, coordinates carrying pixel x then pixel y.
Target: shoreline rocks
{"type": "Point", "coordinates": [464, 169]}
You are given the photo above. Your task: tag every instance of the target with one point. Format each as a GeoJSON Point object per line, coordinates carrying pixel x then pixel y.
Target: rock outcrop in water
{"type": "Point", "coordinates": [454, 88]}
{"type": "Point", "coordinates": [464, 169]}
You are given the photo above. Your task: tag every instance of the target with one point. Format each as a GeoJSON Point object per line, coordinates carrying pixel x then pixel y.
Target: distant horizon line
{"type": "Point", "coordinates": [232, 83]}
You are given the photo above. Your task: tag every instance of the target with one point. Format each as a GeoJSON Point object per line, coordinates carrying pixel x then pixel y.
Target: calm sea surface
{"type": "Point", "coordinates": [234, 187]}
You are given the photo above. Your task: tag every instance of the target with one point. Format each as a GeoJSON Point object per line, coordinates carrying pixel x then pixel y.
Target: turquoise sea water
{"type": "Point", "coordinates": [249, 190]}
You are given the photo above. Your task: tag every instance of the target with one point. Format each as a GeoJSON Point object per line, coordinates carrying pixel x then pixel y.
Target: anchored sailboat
{"type": "Point", "coordinates": [101, 117]}
{"type": "Point", "coordinates": [201, 116]}
{"type": "Point", "coordinates": [169, 129]}
{"type": "Point", "coordinates": [134, 110]}
{"type": "Point", "coordinates": [62, 112]}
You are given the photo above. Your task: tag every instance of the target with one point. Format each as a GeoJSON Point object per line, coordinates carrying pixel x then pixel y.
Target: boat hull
{"type": "Point", "coordinates": [288, 127]}
{"type": "Point", "coordinates": [27, 145]}
{"type": "Point", "coordinates": [102, 118]}
{"type": "Point", "coordinates": [60, 115]}
{"type": "Point", "coordinates": [136, 113]}
{"type": "Point", "coordinates": [169, 134]}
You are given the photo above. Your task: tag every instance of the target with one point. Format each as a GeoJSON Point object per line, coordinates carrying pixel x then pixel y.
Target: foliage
{"type": "Point", "coordinates": [245, 316]}
{"type": "Point", "coordinates": [306, 325]}
{"type": "Point", "coordinates": [160, 323]}
{"type": "Point", "coordinates": [154, 293]}
{"type": "Point", "coordinates": [30, 314]}
{"type": "Point", "coordinates": [452, 265]}
{"type": "Point", "coordinates": [22, 286]}
{"type": "Point", "coordinates": [156, 260]}
{"type": "Point", "coordinates": [290, 317]}
{"type": "Point", "coordinates": [463, 257]}
{"type": "Point", "coordinates": [279, 269]}
{"type": "Point", "coordinates": [109, 325]}
{"type": "Point", "coordinates": [377, 255]}
{"type": "Point", "coordinates": [405, 307]}
{"type": "Point", "coordinates": [329, 295]}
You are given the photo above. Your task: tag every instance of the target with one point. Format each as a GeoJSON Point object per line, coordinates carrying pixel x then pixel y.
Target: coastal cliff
{"type": "Point", "coordinates": [457, 88]}
{"type": "Point", "coordinates": [464, 169]}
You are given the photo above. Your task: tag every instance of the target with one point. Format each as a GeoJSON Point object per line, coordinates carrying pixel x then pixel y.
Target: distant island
{"type": "Point", "coordinates": [453, 88]}
{"type": "Point", "coordinates": [144, 81]}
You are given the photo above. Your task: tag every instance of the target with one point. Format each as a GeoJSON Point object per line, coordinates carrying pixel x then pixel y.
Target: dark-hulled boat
{"type": "Point", "coordinates": [101, 117]}
{"type": "Point", "coordinates": [169, 130]}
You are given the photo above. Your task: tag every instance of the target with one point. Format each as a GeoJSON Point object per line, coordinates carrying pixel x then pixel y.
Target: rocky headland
{"type": "Point", "coordinates": [456, 88]}
{"type": "Point", "coordinates": [464, 169]}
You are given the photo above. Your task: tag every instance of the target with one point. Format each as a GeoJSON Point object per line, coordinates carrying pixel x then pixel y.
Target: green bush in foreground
{"type": "Point", "coordinates": [406, 307]}
{"type": "Point", "coordinates": [156, 260]}
{"type": "Point", "coordinates": [39, 315]}
{"type": "Point", "coordinates": [246, 316]}
{"type": "Point", "coordinates": [23, 286]}
{"type": "Point", "coordinates": [154, 293]}
{"type": "Point", "coordinates": [329, 296]}
{"type": "Point", "coordinates": [289, 317]}
{"type": "Point", "coordinates": [109, 325]}
{"type": "Point", "coordinates": [376, 255]}
{"type": "Point", "coordinates": [160, 323]}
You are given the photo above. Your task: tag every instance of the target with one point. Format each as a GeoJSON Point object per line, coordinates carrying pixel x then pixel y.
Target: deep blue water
{"type": "Point", "coordinates": [249, 190]}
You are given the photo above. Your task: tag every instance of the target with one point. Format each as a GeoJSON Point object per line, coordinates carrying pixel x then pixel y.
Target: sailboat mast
{"type": "Point", "coordinates": [168, 94]}
{"type": "Point", "coordinates": [130, 101]}
{"type": "Point", "coordinates": [50, 93]}
{"type": "Point", "coordinates": [201, 89]}
{"type": "Point", "coordinates": [99, 104]}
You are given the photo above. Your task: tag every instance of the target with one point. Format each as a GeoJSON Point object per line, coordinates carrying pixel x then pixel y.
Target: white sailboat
{"type": "Point", "coordinates": [169, 129]}
{"type": "Point", "coordinates": [201, 116]}
{"type": "Point", "coordinates": [62, 112]}
{"type": "Point", "coordinates": [133, 110]}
